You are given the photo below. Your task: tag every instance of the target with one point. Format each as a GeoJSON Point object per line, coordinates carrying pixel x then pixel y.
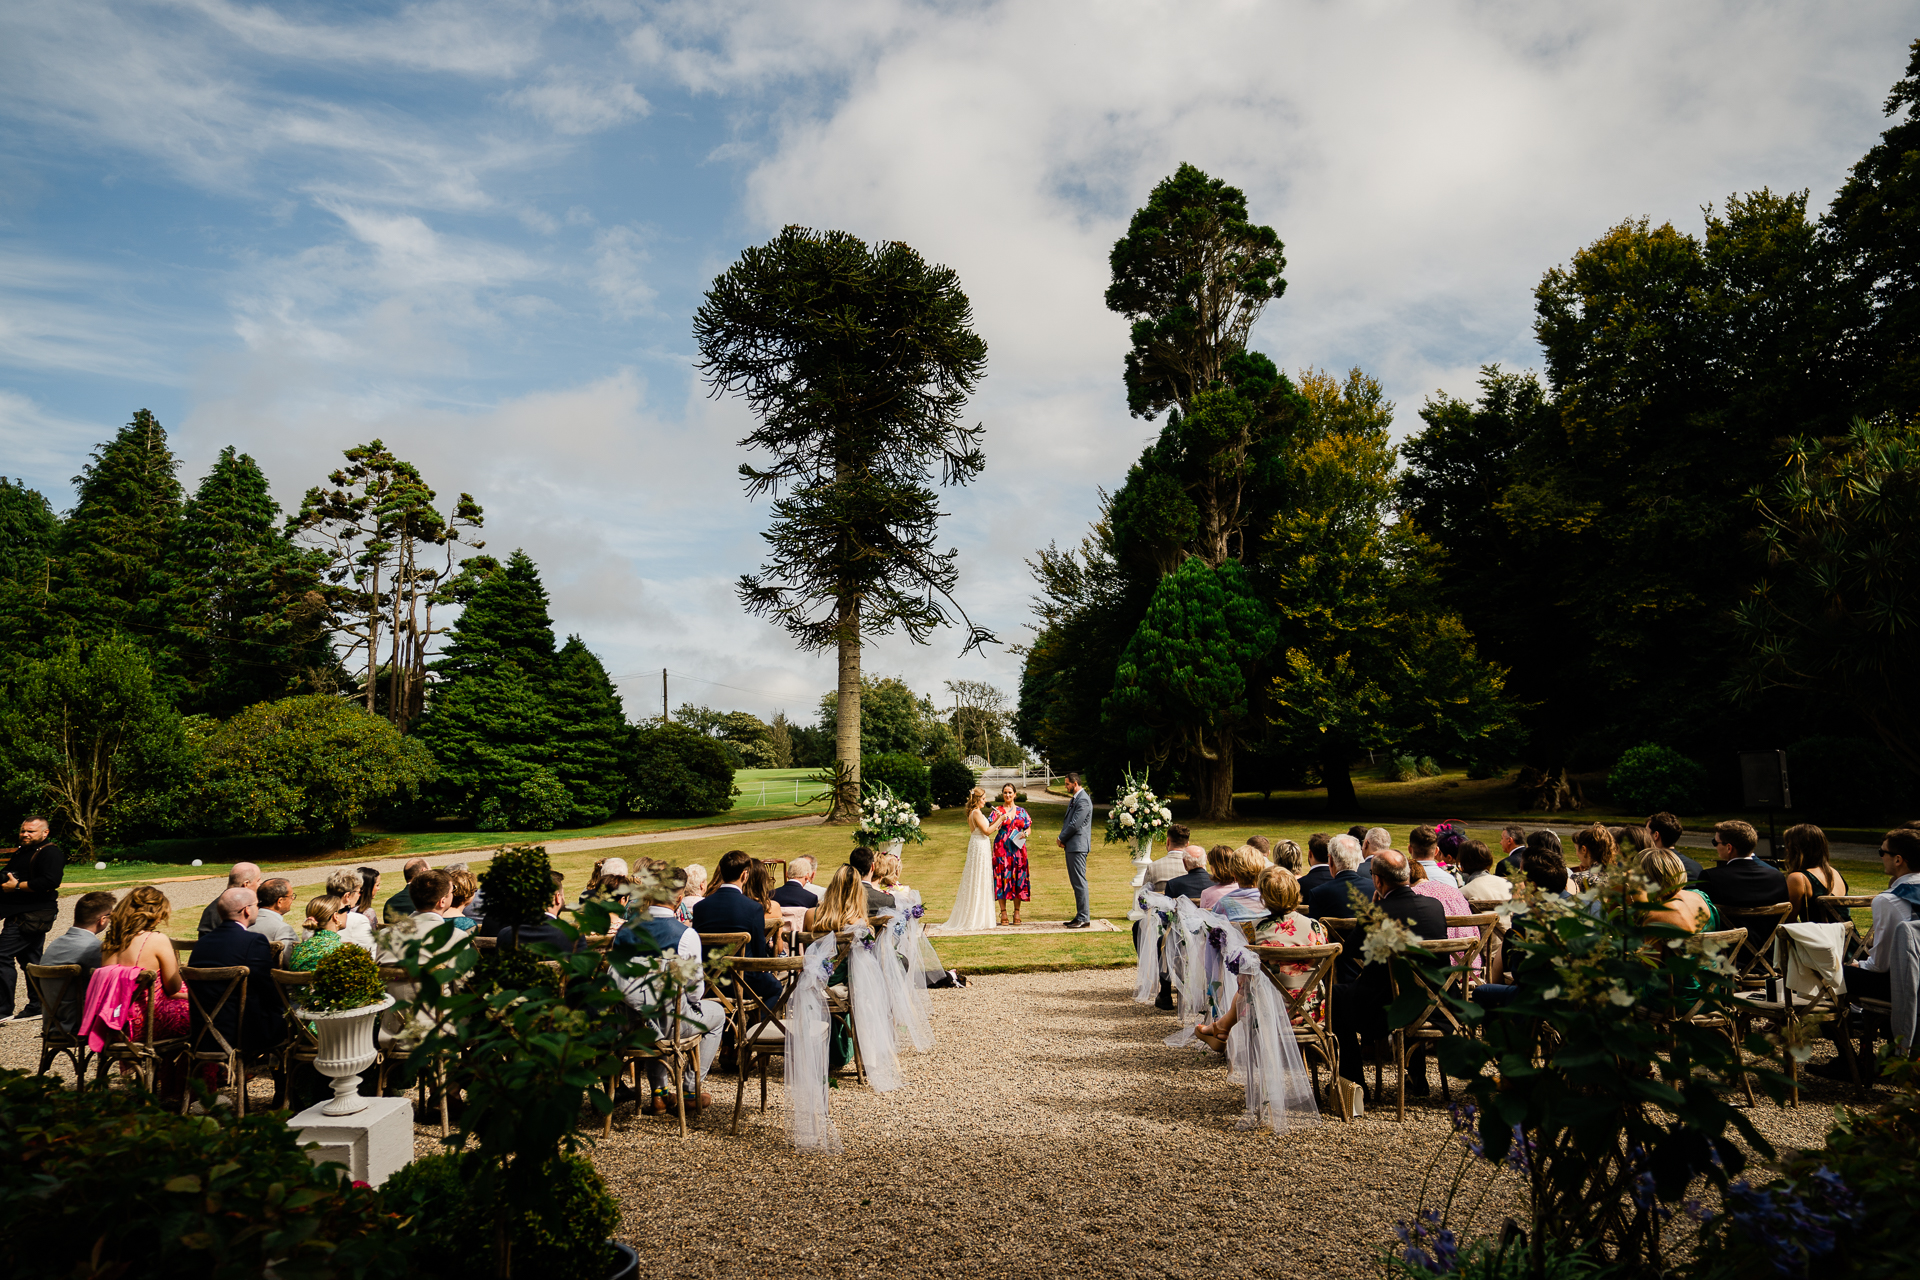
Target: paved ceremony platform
{"type": "Point", "coordinates": [1020, 930]}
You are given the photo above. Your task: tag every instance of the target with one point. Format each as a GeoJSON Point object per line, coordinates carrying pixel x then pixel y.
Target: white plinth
{"type": "Point", "coordinates": [374, 1143]}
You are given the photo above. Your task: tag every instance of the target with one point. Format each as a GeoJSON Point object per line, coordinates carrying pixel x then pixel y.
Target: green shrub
{"type": "Point", "coordinates": [1649, 778]}
{"type": "Point", "coordinates": [676, 772]}
{"type": "Point", "coordinates": [904, 775]}
{"type": "Point", "coordinates": [517, 885]}
{"type": "Point", "coordinates": [948, 782]}
{"type": "Point", "coordinates": [1426, 767]}
{"type": "Point", "coordinates": [1846, 778]}
{"type": "Point", "coordinates": [562, 1239]}
{"type": "Point", "coordinates": [345, 978]}
{"type": "Point", "coordinates": [1402, 769]}
{"type": "Point", "coordinates": [110, 1183]}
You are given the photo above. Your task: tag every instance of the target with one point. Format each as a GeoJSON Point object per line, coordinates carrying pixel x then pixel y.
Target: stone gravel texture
{"type": "Point", "coordinates": [1050, 1132]}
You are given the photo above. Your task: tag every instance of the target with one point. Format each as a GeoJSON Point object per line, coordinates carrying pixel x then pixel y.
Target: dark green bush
{"type": "Point", "coordinates": [1402, 769]}
{"type": "Point", "coordinates": [1846, 778]}
{"type": "Point", "coordinates": [563, 1239]}
{"type": "Point", "coordinates": [108, 1183]}
{"type": "Point", "coordinates": [345, 978]}
{"type": "Point", "coordinates": [1650, 777]}
{"type": "Point", "coordinates": [517, 885]}
{"type": "Point", "coordinates": [904, 774]}
{"type": "Point", "coordinates": [948, 782]}
{"type": "Point", "coordinates": [676, 772]}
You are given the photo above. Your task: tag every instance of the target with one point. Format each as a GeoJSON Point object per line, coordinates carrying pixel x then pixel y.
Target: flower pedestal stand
{"type": "Point", "coordinates": [373, 1137]}
{"type": "Point", "coordinates": [895, 846]}
{"type": "Point", "coordinates": [1142, 859]}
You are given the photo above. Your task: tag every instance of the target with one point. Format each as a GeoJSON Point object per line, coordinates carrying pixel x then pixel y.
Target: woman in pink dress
{"type": "Point", "coordinates": [135, 943]}
{"type": "Point", "coordinates": [1446, 895]}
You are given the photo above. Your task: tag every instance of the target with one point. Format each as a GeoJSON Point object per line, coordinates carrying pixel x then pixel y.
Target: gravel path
{"type": "Point", "coordinates": [1049, 1132]}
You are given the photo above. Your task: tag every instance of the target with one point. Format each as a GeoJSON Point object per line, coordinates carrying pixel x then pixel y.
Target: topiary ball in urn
{"type": "Point", "coordinates": [343, 1002]}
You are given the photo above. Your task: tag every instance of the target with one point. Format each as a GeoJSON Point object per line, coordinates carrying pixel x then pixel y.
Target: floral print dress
{"type": "Point", "coordinates": [1010, 856]}
{"type": "Point", "coordinates": [1294, 930]}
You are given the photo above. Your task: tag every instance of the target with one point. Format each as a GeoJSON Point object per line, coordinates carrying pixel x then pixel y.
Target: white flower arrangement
{"type": "Point", "coordinates": [884, 817]}
{"type": "Point", "coordinates": [1137, 816]}
{"type": "Point", "coordinates": [684, 971]}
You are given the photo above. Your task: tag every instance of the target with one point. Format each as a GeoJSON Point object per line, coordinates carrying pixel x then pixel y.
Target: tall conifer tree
{"type": "Point", "coordinates": [589, 727]}
{"type": "Point", "coordinates": [28, 531]}
{"type": "Point", "coordinates": [505, 619]}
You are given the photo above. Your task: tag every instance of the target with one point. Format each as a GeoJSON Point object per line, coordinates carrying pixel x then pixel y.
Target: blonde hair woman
{"type": "Point", "coordinates": [973, 904]}
{"type": "Point", "coordinates": [322, 936]}
{"type": "Point", "coordinates": [843, 905]}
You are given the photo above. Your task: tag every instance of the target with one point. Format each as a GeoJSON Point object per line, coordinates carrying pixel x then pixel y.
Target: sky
{"type": "Point", "coordinates": [478, 232]}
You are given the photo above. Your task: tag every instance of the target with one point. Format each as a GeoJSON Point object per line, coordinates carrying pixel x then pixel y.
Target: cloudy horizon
{"type": "Point", "coordinates": [478, 231]}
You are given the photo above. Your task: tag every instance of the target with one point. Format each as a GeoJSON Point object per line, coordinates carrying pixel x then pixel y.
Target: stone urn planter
{"type": "Point", "coordinates": [346, 1049]}
{"type": "Point", "coordinates": [895, 846]}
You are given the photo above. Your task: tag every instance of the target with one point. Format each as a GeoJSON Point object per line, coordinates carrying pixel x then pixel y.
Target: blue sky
{"type": "Point", "coordinates": [479, 230]}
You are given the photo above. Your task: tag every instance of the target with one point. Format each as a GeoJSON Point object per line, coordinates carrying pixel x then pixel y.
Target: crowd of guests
{"type": "Point", "coordinates": [1287, 893]}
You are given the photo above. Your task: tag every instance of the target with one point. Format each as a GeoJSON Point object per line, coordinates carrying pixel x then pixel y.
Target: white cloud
{"type": "Point", "coordinates": [620, 256]}
{"type": "Point", "coordinates": [572, 102]}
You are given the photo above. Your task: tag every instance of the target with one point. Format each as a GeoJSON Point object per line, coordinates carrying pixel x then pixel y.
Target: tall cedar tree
{"type": "Point", "coordinates": [391, 556]}
{"type": "Point", "coordinates": [857, 362]}
{"type": "Point", "coordinates": [110, 569]}
{"type": "Point", "coordinates": [1872, 231]}
{"type": "Point", "coordinates": [249, 626]}
{"type": "Point", "coordinates": [496, 740]}
{"type": "Point", "coordinates": [590, 728]}
{"type": "Point", "coordinates": [28, 533]}
{"type": "Point", "coordinates": [504, 618]}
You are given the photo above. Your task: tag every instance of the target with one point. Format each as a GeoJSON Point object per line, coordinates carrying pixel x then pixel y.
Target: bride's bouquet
{"type": "Point", "coordinates": [884, 818]}
{"type": "Point", "coordinates": [1138, 816]}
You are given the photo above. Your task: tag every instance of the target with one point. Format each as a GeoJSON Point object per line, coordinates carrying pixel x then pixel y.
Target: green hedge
{"type": "Point", "coordinates": [905, 774]}
{"type": "Point", "coordinates": [1650, 777]}
{"type": "Point", "coordinates": [676, 772]}
{"type": "Point", "coordinates": [948, 782]}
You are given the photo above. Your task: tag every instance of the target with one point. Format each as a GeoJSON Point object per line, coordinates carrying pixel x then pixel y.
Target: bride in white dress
{"type": "Point", "coordinates": [973, 905]}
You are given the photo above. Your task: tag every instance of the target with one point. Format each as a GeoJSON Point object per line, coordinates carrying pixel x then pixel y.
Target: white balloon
{"type": "Point", "coordinates": [99, 866]}
{"type": "Point", "coordinates": [196, 862]}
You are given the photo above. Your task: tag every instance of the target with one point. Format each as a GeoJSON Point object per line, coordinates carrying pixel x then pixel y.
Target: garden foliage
{"type": "Point", "coordinates": [677, 772]}
{"type": "Point", "coordinates": [1650, 777]}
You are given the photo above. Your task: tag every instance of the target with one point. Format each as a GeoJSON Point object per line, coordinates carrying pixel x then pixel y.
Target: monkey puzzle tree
{"type": "Point", "coordinates": [857, 361]}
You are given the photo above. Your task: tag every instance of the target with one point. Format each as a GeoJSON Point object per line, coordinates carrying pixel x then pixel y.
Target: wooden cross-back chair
{"type": "Point", "coordinates": [1844, 905]}
{"type": "Point", "coordinates": [759, 1022]}
{"type": "Point", "coordinates": [1753, 959]}
{"type": "Point", "coordinates": [715, 948]}
{"type": "Point", "coordinates": [61, 992]}
{"type": "Point", "coordinates": [1827, 1004]}
{"type": "Point", "coordinates": [1729, 941]}
{"type": "Point", "coordinates": [1309, 1006]}
{"type": "Point", "coordinates": [395, 1054]}
{"type": "Point", "coordinates": [1496, 937]}
{"type": "Point", "coordinates": [840, 999]}
{"type": "Point", "coordinates": [145, 1054]}
{"type": "Point", "coordinates": [209, 993]}
{"type": "Point", "coordinates": [1438, 1020]}
{"type": "Point", "coordinates": [300, 1045]}
{"type": "Point", "coordinates": [1478, 961]}
{"type": "Point", "coordinates": [677, 1048]}
{"type": "Point", "coordinates": [770, 864]}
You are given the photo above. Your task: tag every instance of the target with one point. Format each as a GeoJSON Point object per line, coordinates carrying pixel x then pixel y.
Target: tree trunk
{"type": "Point", "coordinates": [846, 738]}
{"type": "Point", "coordinates": [1213, 783]}
{"type": "Point", "coordinates": [1336, 771]}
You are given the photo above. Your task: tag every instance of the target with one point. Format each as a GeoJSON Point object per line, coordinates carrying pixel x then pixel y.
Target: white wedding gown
{"type": "Point", "coordinates": [973, 905]}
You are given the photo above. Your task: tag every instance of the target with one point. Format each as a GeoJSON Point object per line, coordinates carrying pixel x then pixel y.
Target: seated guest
{"type": "Point", "coordinates": [886, 874]}
{"type": "Point", "coordinates": [343, 886]}
{"type": "Point", "coordinates": [136, 943]}
{"type": "Point", "coordinates": [401, 903]}
{"type": "Point", "coordinates": [1243, 902]}
{"type": "Point", "coordinates": [1220, 867]}
{"type": "Point", "coordinates": [611, 883]}
{"type": "Point", "coordinates": [465, 886]}
{"type": "Point", "coordinates": [1666, 832]}
{"type": "Point", "coordinates": [1482, 885]}
{"type": "Point", "coordinates": [643, 990]}
{"type": "Point", "coordinates": [322, 938]}
{"type": "Point", "coordinates": [414, 936]}
{"type": "Point", "coordinates": [1195, 881]}
{"type": "Point", "coordinates": [1597, 850]}
{"type": "Point", "coordinates": [1359, 834]}
{"type": "Point", "coordinates": [243, 875]}
{"type": "Point", "coordinates": [1318, 872]}
{"type": "Point", "coordinates": [696, 890]}
{"type": "Point", "coordinates": [861, 860]}
{"type": "Point", "coordinates": [1375, 841]}
{"type": "Point", "coordinates": [1262, 846]}
{"type": "Point", "coordinates": [229, 945]}
{"type": "Point", "coordinates": [1513, 845]}
{"type": "Point", "coordinates": [545, 930]}
{"type": "Point", "coordinates": [759, 887]}
{"type": "Point", "coordinates": [275, 900]}
{"type": "Point", "coordinates": [1450, 836]}
{"type": "Point", "coordinates": [1172, 864]}
{"type": "Point", "coordinates": [1680, 907]}
{"type": "Point", "coordinates": [1335, 896]}
{"type": "Point", "coordinates": [1811, 876]}
{"type": "Point", "coordinates": [79, 945]}
{"type": "Point", "coordinates": [1741, 880]}
{"type": "Point", "coordinates": [1423, 844]}
{"type": "Point", "coordinates": [842, 905]}
{"type": "Point", "coordinates": [728, 909]}
{"type": "Point", "coordinates": [1282, 926]}
{"type": "Point", "coordinates": [799, 890]}
{"type": "Point", "coordinates": [1360, 1006]}
{"type": "Point", "coordinates": [1872, 978]}
{"type": "Point", "coordinates": [1545, 868]}
{"type": "Point", "coordinates": [1286, 853]}
{"type": "Point", "coordinates": [1451, 900]}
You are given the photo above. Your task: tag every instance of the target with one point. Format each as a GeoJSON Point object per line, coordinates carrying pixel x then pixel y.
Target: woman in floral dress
{"type": "Point", "coordinates": [1283, 926]}
{"type": "Point", "coordinates": [1010, 855]}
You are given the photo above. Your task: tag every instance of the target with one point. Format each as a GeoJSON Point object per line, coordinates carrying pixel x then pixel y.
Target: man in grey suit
{"type": "Point", "coordinates": [1076, 837]}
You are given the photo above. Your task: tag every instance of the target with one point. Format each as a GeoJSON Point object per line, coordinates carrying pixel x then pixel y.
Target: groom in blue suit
{"type": "Point", "coordinates": [1076, 837]}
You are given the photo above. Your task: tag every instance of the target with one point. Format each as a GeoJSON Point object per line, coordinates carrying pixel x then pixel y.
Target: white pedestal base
{"type": "Point", "coordinates": [374, 1143]}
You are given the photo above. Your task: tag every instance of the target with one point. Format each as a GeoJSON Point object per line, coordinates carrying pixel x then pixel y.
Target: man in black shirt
{"type": "Point", "coordinates": [29, 901]}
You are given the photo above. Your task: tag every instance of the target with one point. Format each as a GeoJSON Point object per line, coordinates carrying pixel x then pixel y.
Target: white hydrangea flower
{"type": "Point", "coordinates": [1166, 815]}
{"type": "Point", "coordinates": [684, 970]}
{"type": "Point", "coordinates": [1620, 995]}
{"type": "Point", "coordinates": [1386, 939]}
{"type": "Point", "coordinates": [1126, 820]}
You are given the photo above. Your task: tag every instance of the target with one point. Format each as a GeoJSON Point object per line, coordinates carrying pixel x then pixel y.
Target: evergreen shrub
{"type": "Point", "coordinates": [904, 774]}
{"type": "Point", "coordinates": [1402, 769]}
{"type": "Point", "coordinates": [517, 884]}
{"type": "Point", "coordinates": [677, 772]}
{"type": "Point", "coordinates": [1650, 777]}
{"type": "Point", "coordinates": [949, 780]}
{"type": "Point", "coordinates": [565, 1240]}
{"type": "Point", "coordinates": [111, 1183]}
{"type": "Point", "coordinates": [345, 978]}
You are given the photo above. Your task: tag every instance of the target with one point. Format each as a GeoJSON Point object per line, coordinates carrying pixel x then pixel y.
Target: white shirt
{"type": "Point", "coordinates": [355, 928]}
{"type": "Point", "coordinates": [1888, 911]}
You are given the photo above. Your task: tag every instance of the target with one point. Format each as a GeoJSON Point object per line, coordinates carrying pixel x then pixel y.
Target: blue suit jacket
{"type": "Point", "coordinates": [231, 944]}
{"type": "Point", "coordinates": [727, 910]}
{"type": "Point", "coordinates": [1076, 830]}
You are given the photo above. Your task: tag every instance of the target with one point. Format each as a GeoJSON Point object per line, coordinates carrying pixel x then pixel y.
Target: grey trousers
{"type": "Point", "coordinates": [1077, 875]}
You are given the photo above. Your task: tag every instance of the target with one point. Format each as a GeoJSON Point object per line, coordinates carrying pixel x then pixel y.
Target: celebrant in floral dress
{"type": "Point", "coordinates": [1010, 855]}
